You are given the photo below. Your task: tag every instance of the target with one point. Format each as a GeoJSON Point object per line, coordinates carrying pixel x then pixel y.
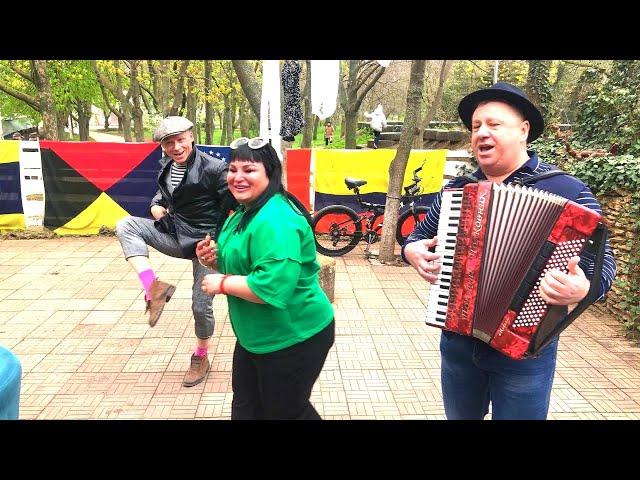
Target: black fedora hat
{"type": "Point", "coordinates": [510, 94]}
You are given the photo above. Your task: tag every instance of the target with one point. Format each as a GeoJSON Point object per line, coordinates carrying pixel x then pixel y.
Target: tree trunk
{"type": "Point", "coordinates": [208, 106]}
{"type": "Point", "coordinates": [125, 106]}
{"type": "Point", "coordinates": [361, 77]}
{"type": "Point", "coordinates": [418, 142]}
{"type": "Point", "coordinates": [126, 124]}
{"type": "Point", "coordinates": [316, 122]}
{"type": "Point", "coordinates": [45, 99]}
{"type": "Point", "coordinates": [351, 128]}
{"type": "Point", "coordinates": [244, 119]}
{"type": "Point", "coordinates": [399, 163]}
{"type": "Point", "coordinates": [84, 116]}
{"type": "Point", "coordinates": [164, 87]}
{"type": "Point", "coordinates": [136, 110]}
{"type": "Point", "coordinates": [107, 114]}
{"type": "Point", "coordinates": [220, 116]}
{"type": "Point", "coordinates": [249, 83]}
{"type": "Point", "coordinates": [60, 124]}
{"type": "Point", "coordinates": [537, 86]}
{"type": "Point", "coordinates": [227, 123]}
{"type": "Point", "coordinates": [192, 106]}
{"type": "Point", "coordinates": [178, 94]}
{"type": "Point", "coordinates": [307, 131]}
{"type": "Point", "coordinates": [234, 116]}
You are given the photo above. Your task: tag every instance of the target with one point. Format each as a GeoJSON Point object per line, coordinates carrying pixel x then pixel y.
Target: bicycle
{"type": "Point", "coordinates": [338, 228]}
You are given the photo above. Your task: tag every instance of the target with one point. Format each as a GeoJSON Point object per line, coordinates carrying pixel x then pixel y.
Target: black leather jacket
{"type": "Point", "coordinates": [199, 204]}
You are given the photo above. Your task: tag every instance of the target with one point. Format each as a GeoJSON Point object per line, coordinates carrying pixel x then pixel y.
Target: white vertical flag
{"type": "Point", "coordinates": [270, 104]}
{"type": "Point", "coordinates": [325, 75]}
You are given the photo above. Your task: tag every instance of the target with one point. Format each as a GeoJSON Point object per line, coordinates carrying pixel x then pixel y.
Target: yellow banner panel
{"type": "Point", "coordinates": [102, 212]}
{"type": "Point", "coordinates": [332, 166]}
{"type": "Point", "coordinates": [9, 151]}
{"type": "Point", "coordinates": [12, 221]}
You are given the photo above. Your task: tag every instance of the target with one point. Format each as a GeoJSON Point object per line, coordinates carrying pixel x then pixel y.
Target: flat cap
{"type": "Point", "coordinates": [171, 126]}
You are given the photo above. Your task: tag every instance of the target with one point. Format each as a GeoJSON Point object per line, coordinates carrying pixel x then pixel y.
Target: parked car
{"type": "Point", "coordinates": [23, 126]}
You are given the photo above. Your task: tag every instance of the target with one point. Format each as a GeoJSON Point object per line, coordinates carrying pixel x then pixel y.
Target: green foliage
{"type": "Point", "coordinates": [610, 115]}
{"type": "Point", "coordinates": [538, 87]}
{"type": "Point", "coordinates": [552, 150]}
{"type": "Point", "coordinates": [11, 107]}
{"type": "Point", "coordinates": [607, 174]}
{"type": "Point", "coordinates": [465, 77]}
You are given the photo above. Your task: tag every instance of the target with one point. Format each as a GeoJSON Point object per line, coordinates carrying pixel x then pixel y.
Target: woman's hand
{"type": "Point", "coordinates": [207, 252]}
{"type": "Point", "coordinates": [211, 283]}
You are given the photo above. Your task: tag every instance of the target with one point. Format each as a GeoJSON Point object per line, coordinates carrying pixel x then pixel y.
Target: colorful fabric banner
{"type": "Point", "coordinates": [11, 209]}
{"type": "Point", "coordinates": [298, 174]}
{"type": "Point", "coordinates": [333, 166]}
{"type": "Point", "coordinates": [217, 151]}
{"type": "Point", "coordinates": [89, 185]}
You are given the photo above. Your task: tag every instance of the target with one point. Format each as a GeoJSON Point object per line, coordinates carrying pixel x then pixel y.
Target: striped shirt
{"type": "Point", "coordinates": [177, 172]}
{"type": "Point", "coordinates": [428, 228]}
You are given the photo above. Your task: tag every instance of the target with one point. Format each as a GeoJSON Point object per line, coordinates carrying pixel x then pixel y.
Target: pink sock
{"type": "Point", "coordinates": [201, 352]}
{"type": "Point", "coordinates": [147, 277]}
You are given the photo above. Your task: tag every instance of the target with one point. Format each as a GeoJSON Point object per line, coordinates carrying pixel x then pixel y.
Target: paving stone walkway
{"type": "Point", "coordinates": [72, 311]}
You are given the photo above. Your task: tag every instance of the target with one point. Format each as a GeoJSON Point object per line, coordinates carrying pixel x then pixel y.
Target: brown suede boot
{"type": "Point", "coordinates": [160, 293]}
{"type": "Point", "coordinates": [197, 372]}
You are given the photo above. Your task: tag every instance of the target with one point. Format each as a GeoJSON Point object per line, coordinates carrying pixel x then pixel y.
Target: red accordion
{"type": "Point", "coordinates": [497, 242]}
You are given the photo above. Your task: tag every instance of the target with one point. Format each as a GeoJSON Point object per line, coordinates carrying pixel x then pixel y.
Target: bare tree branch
{"type": "Point", "coordinates": [23, 73]}
{"type": "Point", "coordinates": [28, 99]}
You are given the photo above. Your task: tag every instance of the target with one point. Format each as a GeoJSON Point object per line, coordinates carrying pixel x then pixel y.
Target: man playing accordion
{"type": "Point", "coordinates": [502, 121]}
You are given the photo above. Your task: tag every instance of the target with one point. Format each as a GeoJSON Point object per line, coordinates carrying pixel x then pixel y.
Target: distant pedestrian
{"type": "Point", "coordinates": [328, 133]}
{"type": "Point", "coordinates": [378, 122]}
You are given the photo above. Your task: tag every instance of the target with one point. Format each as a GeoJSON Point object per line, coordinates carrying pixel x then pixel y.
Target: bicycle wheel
{"type": "Point", "coordinates": [337, 230]}
{"type": "Point", "coordinates": [407, 222]}
{"type": "Point", "coordinates": [300, 206]}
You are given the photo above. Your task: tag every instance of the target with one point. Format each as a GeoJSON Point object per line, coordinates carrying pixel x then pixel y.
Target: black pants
{"type": "Point", "coordinates": [277, 385]}
{"type": "Point", "coordinates": [376, 137]}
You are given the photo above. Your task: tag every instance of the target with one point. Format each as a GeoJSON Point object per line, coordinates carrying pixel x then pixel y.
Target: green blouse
{"type": "Point", "coordinates": [277, 253]}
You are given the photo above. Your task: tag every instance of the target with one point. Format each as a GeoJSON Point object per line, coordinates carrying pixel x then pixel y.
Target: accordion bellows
{"type": "Point", "coordinates": [497, 242]}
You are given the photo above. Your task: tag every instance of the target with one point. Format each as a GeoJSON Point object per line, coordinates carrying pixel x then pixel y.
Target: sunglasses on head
{"type": "Point", "coordinates": [253, 143]}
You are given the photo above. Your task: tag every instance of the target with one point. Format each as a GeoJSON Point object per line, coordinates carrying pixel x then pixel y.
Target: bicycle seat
{"type": "Point", "coordinates": [354, 182]}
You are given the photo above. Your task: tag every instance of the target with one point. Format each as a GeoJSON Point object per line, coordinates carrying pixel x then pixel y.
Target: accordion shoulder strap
{"type": "Point", "coordinates": [470, 178]}
{"type": "Point", "coordinates": [538, 177]}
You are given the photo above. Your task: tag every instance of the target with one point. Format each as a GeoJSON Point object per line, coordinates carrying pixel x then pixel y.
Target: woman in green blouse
{"type": "Point", "coordinates": [282, 319]}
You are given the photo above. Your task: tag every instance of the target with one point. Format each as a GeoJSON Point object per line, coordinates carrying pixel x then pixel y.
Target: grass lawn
{"type": "Point", "coordinates": [318, 142]}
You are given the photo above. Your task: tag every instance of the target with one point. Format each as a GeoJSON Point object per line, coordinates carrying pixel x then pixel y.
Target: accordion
{"type": "Point", "coordinates": [497, 242]}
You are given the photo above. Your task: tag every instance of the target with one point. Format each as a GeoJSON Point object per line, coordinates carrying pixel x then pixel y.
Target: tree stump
{"type": "Point", "coordinates": [327, 275]}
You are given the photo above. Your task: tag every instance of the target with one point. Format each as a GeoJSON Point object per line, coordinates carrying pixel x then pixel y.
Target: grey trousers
{"type": "Point", "coordinates": [136, 233]}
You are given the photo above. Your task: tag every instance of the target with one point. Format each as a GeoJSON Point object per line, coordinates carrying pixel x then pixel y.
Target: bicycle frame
{"type": "Point", "coordinates": [350, 226]}
{"type": "Point", "coordinates": [376, 210]}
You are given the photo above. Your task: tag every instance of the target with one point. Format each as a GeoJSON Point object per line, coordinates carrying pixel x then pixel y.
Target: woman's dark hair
{"type": "Point", "coordinates": [273, 168]}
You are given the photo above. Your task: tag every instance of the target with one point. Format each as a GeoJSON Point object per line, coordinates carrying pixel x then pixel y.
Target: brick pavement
{"type": "Point", "coordinates": [72, 311]}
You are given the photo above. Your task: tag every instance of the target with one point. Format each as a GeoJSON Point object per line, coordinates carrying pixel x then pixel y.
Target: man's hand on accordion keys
{"type": "Point", "coordinates": [427, 264]}
{"type": "Point", "coordinates": [559, 288]}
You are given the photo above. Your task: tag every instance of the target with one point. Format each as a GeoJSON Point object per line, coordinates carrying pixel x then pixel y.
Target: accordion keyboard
{"type": "Point", "coordinates": [447, 231]}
